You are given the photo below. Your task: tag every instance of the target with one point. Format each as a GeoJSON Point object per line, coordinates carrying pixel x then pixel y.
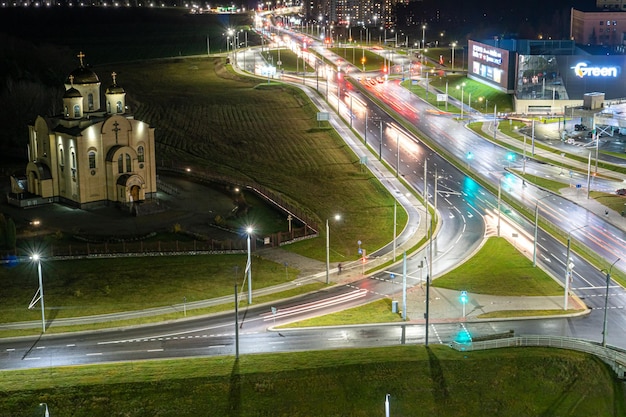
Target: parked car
{"type": "Point", "coordinates": [621, 191]}
{"type": "Point", "coordinates": [580, 127]}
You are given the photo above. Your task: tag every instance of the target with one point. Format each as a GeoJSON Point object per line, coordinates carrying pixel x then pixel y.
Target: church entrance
{"type": "Point", "coordinates": [134, 193]}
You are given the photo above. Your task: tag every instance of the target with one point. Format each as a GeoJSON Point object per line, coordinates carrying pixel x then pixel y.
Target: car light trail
{"type": "Point", "coordinates": [353, 295]}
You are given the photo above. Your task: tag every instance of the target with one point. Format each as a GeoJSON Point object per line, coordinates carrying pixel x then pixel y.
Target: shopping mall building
{"type": "Point", "coordinates": [548, 76]}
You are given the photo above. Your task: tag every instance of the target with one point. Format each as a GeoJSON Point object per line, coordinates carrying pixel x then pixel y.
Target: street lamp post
{"type": "Point", "coordinates": [453, 46]}
{"type": "Point", "coordinates": [499, 202]}
{"type": "Point", "coordinates": [568, 266]}
{"type": "Point", "coordinates": [46, 412]}
{"type": "Point", "coordinates": [337, 217]}
{"type": "Point", "coordinates": [380, 145]}
{"type": "Point", "coordinates": [387, 405]}
{"type": "Point", "coordinates": [398, 155]}
{"type": "Point", "coordinates": [249, 231]}
{"type": "Point", "coordinates": [39, 294]}
{"type": "Point", "coordinates": [606, 303]}
{"type": "Point", "coordinates": [536, 229]}
{"type": "Point", "coordinates": [462, 98]}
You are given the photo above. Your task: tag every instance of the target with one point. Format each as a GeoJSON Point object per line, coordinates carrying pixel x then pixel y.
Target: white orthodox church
{"type": "Point", "coordinates": [88, 156]}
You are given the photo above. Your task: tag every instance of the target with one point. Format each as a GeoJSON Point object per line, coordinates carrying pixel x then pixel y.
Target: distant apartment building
{"type": "Point", "coordinates": [606, 27]}
{"type": "Point", "coordinates": [352, 12]}
{"type": "Point", "coordinates": [611, 4]}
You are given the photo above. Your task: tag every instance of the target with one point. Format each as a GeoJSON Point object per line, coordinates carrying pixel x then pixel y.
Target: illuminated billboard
{"type": "Point", "coordinates": [490, 65]}
{"type": "Point", "coordinates": [569, 77]}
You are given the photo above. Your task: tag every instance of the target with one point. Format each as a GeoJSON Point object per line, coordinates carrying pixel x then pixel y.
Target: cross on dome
{"type": "Point", "coordinates": [71, 77]}
{"type": "Point", "coordinates": [80, 57]}
{"type": "Point", "coordinates": [113, 75]}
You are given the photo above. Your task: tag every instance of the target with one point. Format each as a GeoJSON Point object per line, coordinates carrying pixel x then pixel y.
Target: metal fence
{"type": "Point", "coordinates": [613, 357]}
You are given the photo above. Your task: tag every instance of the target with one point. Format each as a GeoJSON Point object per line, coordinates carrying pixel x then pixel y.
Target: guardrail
{"type": "Point", "coordinates": [613, 357]}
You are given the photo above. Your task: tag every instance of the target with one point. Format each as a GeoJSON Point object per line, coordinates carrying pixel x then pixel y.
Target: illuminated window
{"type": "Point", "coordinates": [140, 154]}
{"type": "Point", "coordinates": [119, 107]}
{"type": "Point", "coordinates": [90, 101]}
{"type": "Point", "coordinates": [92, 159]}
{"type": "Point", "coordinates": [77, 111]}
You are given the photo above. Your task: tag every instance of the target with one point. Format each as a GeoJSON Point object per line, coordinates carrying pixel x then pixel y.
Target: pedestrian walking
{"type": "Point", "coordinates": [339, 268]}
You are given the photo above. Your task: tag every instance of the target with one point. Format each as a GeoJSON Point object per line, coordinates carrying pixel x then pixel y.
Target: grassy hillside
{"type": "Point", "coordinates": [245, 129]}
{"type": "Point", "coordinates": [435, 381]}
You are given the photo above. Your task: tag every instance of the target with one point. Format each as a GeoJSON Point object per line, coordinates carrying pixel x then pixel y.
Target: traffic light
{"type": "Point", "coordinates": [463, 298]}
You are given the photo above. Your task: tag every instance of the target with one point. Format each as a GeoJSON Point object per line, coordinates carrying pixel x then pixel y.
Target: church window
{"type": "Point", "coordinates": [61, 159]}
{"type": "Point", "coordinates": [67, 112]}
{"type": "Point", "coordinates": [140, 154]}
{"type": "Point", "coordinates": [92, 159]}
{"type": "Point", "coordinates": [76, 110]}
{"type": "Point", "coordinates": [73, 165]}
{"type": "Point", "coordinates": [120, 164]}
{"type": "Point", "coordinates": [119, 107]}
{"type": "Point", "coordinates": [90, 101]}
{"type": "Point", "coordinates": [128, 163]}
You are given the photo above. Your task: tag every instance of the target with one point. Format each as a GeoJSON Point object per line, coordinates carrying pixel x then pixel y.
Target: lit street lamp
{"type": "Point", "coordinates": [453, 46]}
{"type": "Point", "coordinates": [462, 98]}
{"type": "Point", "coordinates": [249, 231]}
{"type": "Point", "coordinates": [39, 294]}
{"type": "Point", "coordinates": [499, 202]}
{"type": "Point", "coordinates": [606, 302]}
{"type": "Point", "coordinates": [337, 217]}
{"type": "Point", "coordinates": [569, 266]}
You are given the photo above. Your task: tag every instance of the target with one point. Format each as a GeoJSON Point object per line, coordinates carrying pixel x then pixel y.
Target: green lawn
{"type": "Point", "coordinates": [434, 381]}
{"type": "Point", "coordinates": [374, 312]}
{"type": "Point", "coordinates": [106, 285]}
{"type": "Point", "coordinates": [499, 269]}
